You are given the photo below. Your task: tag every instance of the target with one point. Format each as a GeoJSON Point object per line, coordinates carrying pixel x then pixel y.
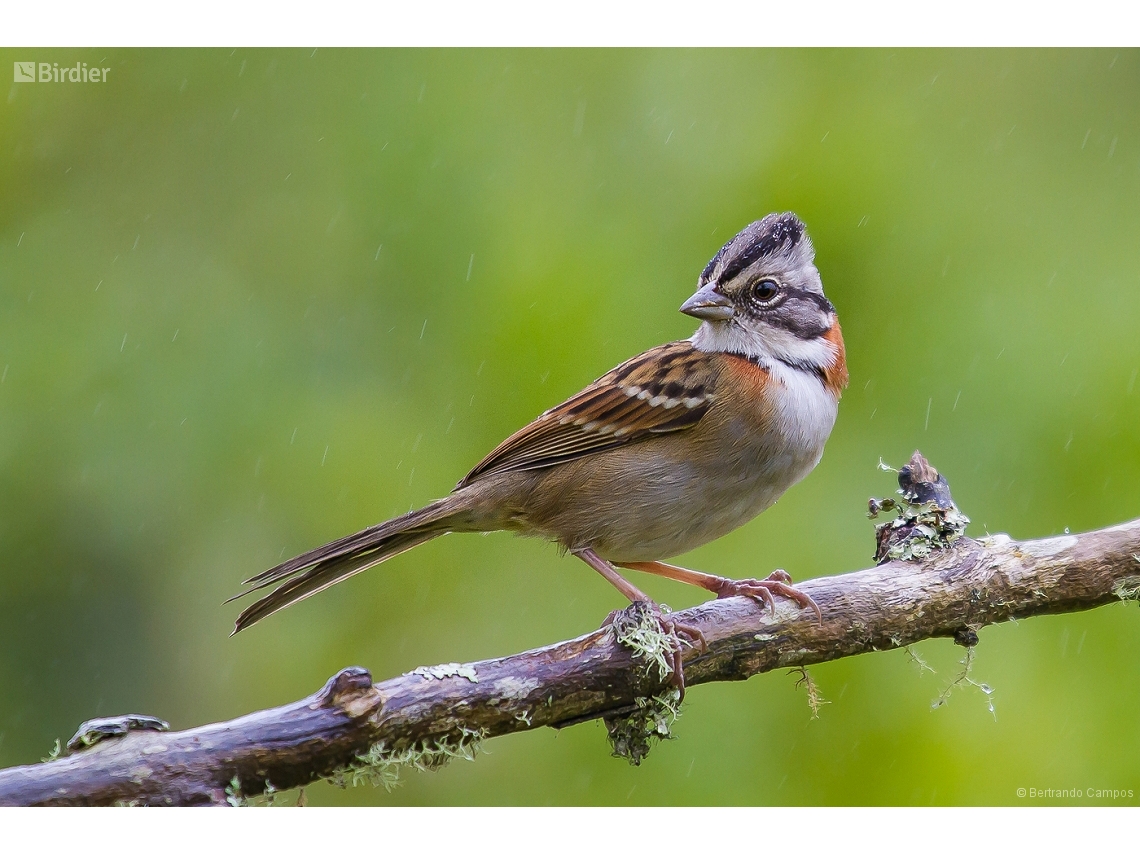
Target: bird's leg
{"type": "Point", "coordinates": [674, 629]}
{"type": "Point", "coordinates": [760, 590]}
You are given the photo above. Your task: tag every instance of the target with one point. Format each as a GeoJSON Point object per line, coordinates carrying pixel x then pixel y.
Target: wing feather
{"type": "Point", "coordinates": [664, 389]}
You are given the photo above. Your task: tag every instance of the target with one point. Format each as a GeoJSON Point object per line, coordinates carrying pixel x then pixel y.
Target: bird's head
{"type": "Point", "coordinates": [761, 297]}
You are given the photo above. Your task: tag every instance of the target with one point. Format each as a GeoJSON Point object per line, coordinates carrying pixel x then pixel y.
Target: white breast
{"type": "Point", "coordinates": [806, 412]}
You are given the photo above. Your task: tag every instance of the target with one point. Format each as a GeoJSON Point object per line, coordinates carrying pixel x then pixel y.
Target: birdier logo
{"type": "Point", "coordinates": [50, 72]}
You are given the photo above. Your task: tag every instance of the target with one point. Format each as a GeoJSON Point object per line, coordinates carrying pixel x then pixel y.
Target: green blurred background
{"type": "Point", "coordinates": [252, 300]}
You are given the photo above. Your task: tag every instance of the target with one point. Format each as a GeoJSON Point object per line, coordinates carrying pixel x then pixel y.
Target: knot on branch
{"type": "Point", "coordinates": [927, 517]}
{"type": "Point", "coordinates": [966, 636]}
{"type": "Point", "coordinates": [344, 686]}
{"type": "Point", "coordinates": [98, 729]}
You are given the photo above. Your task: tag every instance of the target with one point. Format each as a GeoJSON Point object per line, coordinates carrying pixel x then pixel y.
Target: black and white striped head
{"type": "Point", "coordinates": [761, 296]}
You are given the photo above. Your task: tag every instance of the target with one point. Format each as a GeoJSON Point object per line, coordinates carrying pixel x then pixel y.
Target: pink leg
{"type": "Point", "coordinates": [760, 590]}
{"type": "Point", "coordinates": [671, 627]}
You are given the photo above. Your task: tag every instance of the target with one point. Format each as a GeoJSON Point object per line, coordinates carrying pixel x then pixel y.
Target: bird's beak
{"type": "Point", "coordinates": [708, 304]}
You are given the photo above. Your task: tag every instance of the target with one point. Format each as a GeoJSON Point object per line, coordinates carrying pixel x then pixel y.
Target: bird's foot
{"type": "Point", "coordinates": [763, 591]}
{"type": "Point", "coordinates": [653, 634]}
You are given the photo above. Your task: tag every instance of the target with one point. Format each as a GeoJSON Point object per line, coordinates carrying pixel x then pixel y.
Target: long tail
{"type": "Point", "coordinates": [326, 565]}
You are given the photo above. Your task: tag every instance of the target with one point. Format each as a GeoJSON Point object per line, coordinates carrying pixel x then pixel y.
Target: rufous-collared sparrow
{"type": "Point", "coordinates": [668, 451]}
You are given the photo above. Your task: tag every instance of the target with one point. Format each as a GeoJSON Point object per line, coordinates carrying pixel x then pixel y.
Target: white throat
{"type": "Point", "coordinates": [773, 348]}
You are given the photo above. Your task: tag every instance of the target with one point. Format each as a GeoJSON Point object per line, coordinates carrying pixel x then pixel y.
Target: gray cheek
{"type": "Point", "coordinates": [801, 318]}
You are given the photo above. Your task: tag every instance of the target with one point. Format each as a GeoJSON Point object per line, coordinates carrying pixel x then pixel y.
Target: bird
{"type": "Point", "coordinates": [670, 450]}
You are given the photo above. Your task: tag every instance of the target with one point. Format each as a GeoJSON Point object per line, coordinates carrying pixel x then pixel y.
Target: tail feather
{"type": "Point", "coordinates": [323, 567]}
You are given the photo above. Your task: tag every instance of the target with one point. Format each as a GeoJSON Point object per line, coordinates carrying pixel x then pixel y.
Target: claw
{"type": "Point", "coordinates": [693, 636]}
{"type": "Point", "coordinates": [680, 633]}
{"type": "Point", "coordinates": [762, 590]}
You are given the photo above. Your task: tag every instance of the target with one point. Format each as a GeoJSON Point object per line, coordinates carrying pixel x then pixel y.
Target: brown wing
{"type": "Point", "coordinates": [664, 389]}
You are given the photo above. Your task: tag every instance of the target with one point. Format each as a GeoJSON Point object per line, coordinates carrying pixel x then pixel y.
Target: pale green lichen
{"type": "Point", "coordinates": [234, 797]}
{"type": "Point", "coordinates": [54, 754]}
{"type": "Point", "coordinates": [1127, 588]}
{"type": "Point", "coordinates": [925, 527]}
{"type": "Point", "coordinates": [639, 630]}
{"type": "Point", "coordinates": [816, 701]}
{"type": "Point", "coordinates": [964, 679]}
{"type": "Point", "coordinates": [381, 766]}
{"type": "Point", "coordinates": [911, 655]}
{"type": "Point", "coordinates": [632, 734]}
{"type": "Point", "coordinates": [448, 669]}
{"type": "Point", "coordinates": [918, 661]}
{"type": "Point", "coordinates": [269, 797]}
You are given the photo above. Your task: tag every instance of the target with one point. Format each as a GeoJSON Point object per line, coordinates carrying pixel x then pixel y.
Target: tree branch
{"type": "Point", "coordinates": [356, 728]}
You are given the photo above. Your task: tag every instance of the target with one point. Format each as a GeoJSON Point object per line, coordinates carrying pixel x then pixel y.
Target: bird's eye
{"type": "Point", "coordinates": [765, 291]}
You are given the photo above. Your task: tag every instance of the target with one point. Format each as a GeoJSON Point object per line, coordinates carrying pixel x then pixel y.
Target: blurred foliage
{"type": "Point", "coordinates": [252, 300]}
